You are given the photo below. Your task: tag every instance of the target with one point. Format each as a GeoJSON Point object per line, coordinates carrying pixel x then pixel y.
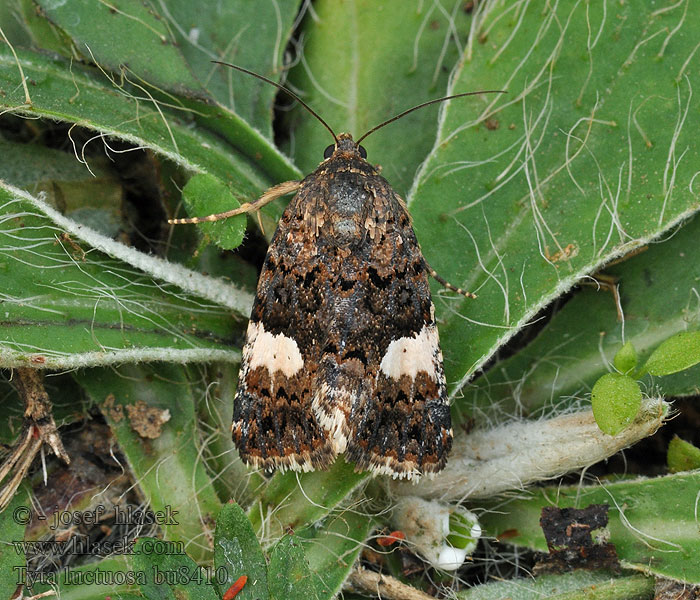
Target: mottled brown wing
{"type": "Point", "coordinates": [400, 421]}
{"type": "Point", "coordinates": [401, 425]}
{"type": "Point", "coordinates": [380, 389]}
{"type": "Point", "coordinates": [274, 426]}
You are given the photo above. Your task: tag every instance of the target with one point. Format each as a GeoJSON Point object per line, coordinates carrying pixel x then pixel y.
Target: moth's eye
{"type": "Point", "coordinates": [328, 152]}
{"type": "Point", "coordinates": [363, 152]}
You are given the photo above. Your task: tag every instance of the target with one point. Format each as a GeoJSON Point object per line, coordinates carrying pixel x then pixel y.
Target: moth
{"type": "Point", "coordinates": [342, 351]}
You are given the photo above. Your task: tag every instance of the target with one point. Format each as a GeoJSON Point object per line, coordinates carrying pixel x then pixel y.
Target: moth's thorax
{"type": "Point", "coordinates": [344, 193]}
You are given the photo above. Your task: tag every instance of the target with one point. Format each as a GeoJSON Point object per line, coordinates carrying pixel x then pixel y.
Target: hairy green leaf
{"type": "Point", "coordinates": [247, 34]}
{"type": "Point", "coordinates": [169, 575]}
{"type": "Point", "coordinates": [678, 353]}
{"type": "Point", "coordinates": [234, 480]}
{"type": "Point", "coordinates": [65, 305]}
{"type": "Point", "coordinates": [128, 37]}
{"type": "Point", "coordinates": [363, 63]}
{"type": "Point", "coordinates": [206, 191]}
{"type": "Point", "coordinates": [113, 576]}
{"type": "Point", "coordinates": [301, 498]}
{"type": "Point", "coordinates": [288, 573]}
{"type": "Point", "coordinates": [150, 410]}
{"type": "Point", "coordinates": [625, 360]}
{"type": "Point", "coordinates": [91, 98]}
{"type": "Point", "coordinates": [13, 521]}
{"type": "Point", "coordinates": [237, 552]}
{"type": "Point", "coordinates": [657, 293]}
{"type": "Point", "coordinates": [682, 456]}
{"type": "Point", "coordinates": [332, 546]}
{"type": "Point", "coordinates": [652, 522]}
{"type": "Point", "coordinates": [590, 154]}
{"type": "Point", "coordinates": [578, 585]}
{"type": "Point", "coordinates": [616, 400]}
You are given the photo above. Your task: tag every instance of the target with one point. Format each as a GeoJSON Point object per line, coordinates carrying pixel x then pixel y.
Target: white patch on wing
{"type": "Point", "coordinates": [411, 355]}
{"type": "Point", "coordinates": [274, 352]}
{"type": "Point", "coordinates": [326, 405]}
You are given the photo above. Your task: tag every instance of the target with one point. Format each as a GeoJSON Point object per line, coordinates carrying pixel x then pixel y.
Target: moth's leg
{"type": "Point", "coordinates": [433, 273]}
{"type": "Point", "coordinates": [445, 283]}
{"type": "Point", "coordinates": [38, 429]}
{"type": "Point", "coordinates": [276, 191]}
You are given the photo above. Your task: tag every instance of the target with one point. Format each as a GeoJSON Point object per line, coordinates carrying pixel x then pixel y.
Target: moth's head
{"type": "Point", "coordinates": [346, 146]}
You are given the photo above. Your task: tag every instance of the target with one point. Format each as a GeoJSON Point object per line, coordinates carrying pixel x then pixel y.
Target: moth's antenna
{"type": "Point", "coordinates": [410, 110]}
{"type": "Point", "coordinates": [284, 89]}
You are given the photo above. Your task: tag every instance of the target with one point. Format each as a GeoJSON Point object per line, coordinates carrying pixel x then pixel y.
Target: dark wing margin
{"type": "Point", "coordinates": [273, 424]}
{"type": "Point", "coordinates": [401, 425]}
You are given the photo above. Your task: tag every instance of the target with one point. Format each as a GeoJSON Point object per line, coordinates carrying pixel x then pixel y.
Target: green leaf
{"type": "Point", "coordinates": [656, 287]}
{"type": "Point", "coordinates": [678, 353]}
{"type": "Point", "coordinates": [615, 401]}
{"type": "Point", "coordinates": [14, 30]}
{"type": "Point", "coordinates": [172, 46]}
{"type": "Point", "coordinates": [303, 498]}
{"type": "Point", "coordinates": [236, 553]}
{"type": "Point", "coordinates": [71, 93]}
{"type": "Point", "coordinates": [135, 43]}
{"type": "Point", "coordinates": [38, 32]}
{"type": "Point", "coordinates": [169, 575]}
{"type": "Point", "coordinates": [223, 144]}
{"type": "Point", "coordinates": [233, 478]}
{"type": "Point", "coordinates": [682, 456]}
{"type": "Point", "coordinates": [652, 522]}
{"type": "Point", "coordinates": [92, 197]}
{"type": "Point", "coordinates": [579, 585]}
{"type": "Point", "coordinates": [520, 213]}
{"type": "Point", "coordinates": [208, 193]}
{"type": "Point", "coordinates": [249, 34]}
{"type": "Point", "coordinates": [113, 576]}
{"type": "Point", "coordinates": [363, 63]}
{"type": "Point", "coordinates": [128, 36]}
{"type": "Point", "coordinates": [65, 306]}
{"type": "Point", "coordinates": [464, 530]}
{"type": "Point", "coordinates": [164, 458]}
{"type": "Point", "coordinates": [332, 546]}
{"type": "Point", "coordinates": [625, 360]}
{"type": "Point", "coordinates": [289, 577]}
{"type": "Point", "coordinates": [13, 521]}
